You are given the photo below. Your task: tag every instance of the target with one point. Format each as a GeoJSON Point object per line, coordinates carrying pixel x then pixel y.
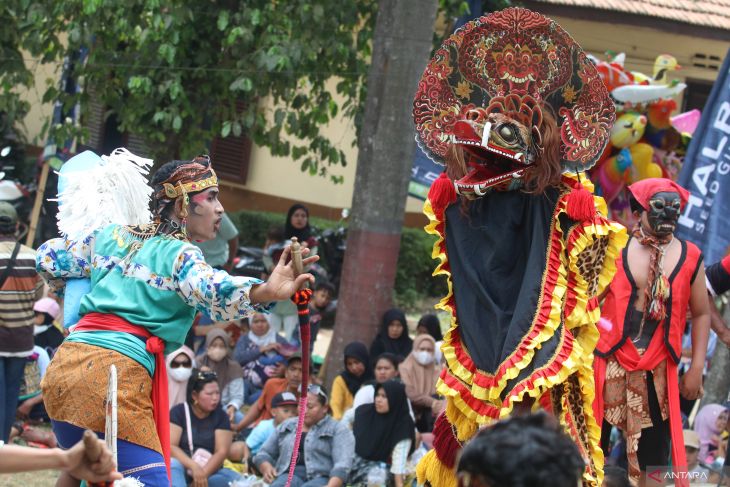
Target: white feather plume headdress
{"type": "Point", "coordinates": [114, 191]}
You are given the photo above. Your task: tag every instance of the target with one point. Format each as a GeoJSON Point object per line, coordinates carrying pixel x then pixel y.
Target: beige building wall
{"type": "Point", "coordinates": [39, 112]}
{"type": "Point", "coordinates": [642, 45]}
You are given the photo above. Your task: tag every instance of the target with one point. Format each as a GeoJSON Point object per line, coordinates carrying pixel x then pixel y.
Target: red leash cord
{"type": "Point", "coordinates": [301, 299]}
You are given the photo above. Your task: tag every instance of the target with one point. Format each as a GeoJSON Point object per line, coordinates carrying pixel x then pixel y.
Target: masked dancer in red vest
{"type": "Point", "coordinates": [659, 277]}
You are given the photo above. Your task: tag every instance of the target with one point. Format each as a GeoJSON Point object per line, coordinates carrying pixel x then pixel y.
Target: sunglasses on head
{"type": "Point", "coordinates": [206, 375]}
{"type": "Point", "coordinates": [186, 364]}
{"type": "Point", "coordinates": [316, 389]}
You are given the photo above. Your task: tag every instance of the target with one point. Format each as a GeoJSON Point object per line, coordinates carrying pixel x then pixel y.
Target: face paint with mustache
{"type": "Point", "coordinates": [663, 212]}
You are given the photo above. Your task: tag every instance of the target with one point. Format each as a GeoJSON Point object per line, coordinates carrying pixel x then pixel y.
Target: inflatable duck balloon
{"type": "Point", "coordinates": [663, 64]}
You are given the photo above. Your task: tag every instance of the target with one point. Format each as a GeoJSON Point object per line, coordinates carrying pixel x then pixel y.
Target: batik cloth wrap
{"type": "Point", "coordinates": [523, 270]}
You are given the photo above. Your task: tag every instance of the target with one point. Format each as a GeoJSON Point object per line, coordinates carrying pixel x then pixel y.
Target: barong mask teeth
{"type": "Point", "coordinates": [491, 81]}
{"type": "Point", "coordinates": [499, 145]}
{"type": "Point", "coordinates": [663, 212]}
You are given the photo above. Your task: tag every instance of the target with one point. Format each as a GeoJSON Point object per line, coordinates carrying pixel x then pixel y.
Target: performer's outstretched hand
{"type": "Point", "coordinates": [691, 384]}
{"type": "Point", "coordinates": [283, 281]}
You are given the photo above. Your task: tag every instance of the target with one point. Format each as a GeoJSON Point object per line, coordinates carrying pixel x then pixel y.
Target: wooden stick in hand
{"type": "Point", "coordinates": [296, 256]}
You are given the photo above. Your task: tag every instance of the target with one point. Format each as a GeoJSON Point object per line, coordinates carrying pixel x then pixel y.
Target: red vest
{"type": "Point", "coordinates": [622, 294]}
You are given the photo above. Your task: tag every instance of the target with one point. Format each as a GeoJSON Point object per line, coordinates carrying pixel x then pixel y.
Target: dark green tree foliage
{"type": "Point", "coordinates": [180, 73]}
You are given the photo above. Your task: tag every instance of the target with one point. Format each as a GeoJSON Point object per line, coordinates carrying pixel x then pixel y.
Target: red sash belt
{"type": "Point", "coordinates": [155, 346]}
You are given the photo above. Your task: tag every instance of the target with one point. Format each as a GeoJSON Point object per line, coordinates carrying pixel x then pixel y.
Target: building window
{"type": "Point", "coordinates": [696, 94]}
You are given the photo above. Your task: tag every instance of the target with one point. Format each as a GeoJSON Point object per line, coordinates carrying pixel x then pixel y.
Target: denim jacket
{"type": "Point", "coordinates": [329, 449]}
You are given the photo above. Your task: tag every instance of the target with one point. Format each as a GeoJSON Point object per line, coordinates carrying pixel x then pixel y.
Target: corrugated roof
{"type": "Point", "coordinates": [710, 13]}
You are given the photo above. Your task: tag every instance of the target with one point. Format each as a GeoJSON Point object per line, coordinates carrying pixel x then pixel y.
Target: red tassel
{"type": "Point", "coordinates": [444, 441]}
{"type": "Point", "coordinates": [579, 205]}
{"type": "Point", "coordinates": [441, 194]}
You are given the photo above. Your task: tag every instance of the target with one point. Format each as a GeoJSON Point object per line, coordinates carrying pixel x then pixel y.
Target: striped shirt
{"type": "Point", "coordinates": [21, 290]}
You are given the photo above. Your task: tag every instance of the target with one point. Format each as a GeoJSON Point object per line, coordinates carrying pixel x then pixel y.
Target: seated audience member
{"type": "Point", "coordinates": [709, 425]}
{"type": "Point", "coordinates": [698, 473]}
{"type": "Point", "coordinates": [30, 403]}
{"type": "Point", "coordinates": [321, 308]}
{"type": "Point", "coordinates": [218, 359]}
{"type": "Point", "coordinates": [429, 324]}
{"type": "Point", "coordinates": [386, 368]}
{"type": "Point", "coordinates": [283, 406]}
{"type": "Point", "coordinates": [180, 365]}
{"type": "Point", "coordinates": [419, 373]}
{"type": "Point", "coordinates": [347, 383]}
{"type": "Point", "coordinates": [393, 336]}
{"type": "Point", "coordinates": [384, 432]}
{"type": "Point", "coordinates": [615, 477]}
{"type": "Point", "coordinates": [200, 429]}
{"type": "Point", "coordinates": [523, 451]}
{"type": "Point", "coordinates": [261, 409]}
{"type": "Point", "coordinates": [45, 332]}
{"type": "Point", "coordinates": [258, 353]}
{"type": "Point", "coordinates": [326, 450]}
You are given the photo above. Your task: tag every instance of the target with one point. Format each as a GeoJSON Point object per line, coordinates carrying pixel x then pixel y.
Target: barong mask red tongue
{"type": "Point", "coordinates": [487, 90]}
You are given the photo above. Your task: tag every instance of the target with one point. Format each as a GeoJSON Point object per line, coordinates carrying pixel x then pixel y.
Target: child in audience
{"type": "Point", "coordinates": [283, 406]}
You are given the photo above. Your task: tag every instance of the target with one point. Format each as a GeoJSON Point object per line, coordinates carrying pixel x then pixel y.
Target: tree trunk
{"type": "Point", "coordinates": [401, 44]}
{"type": "Point", "coordinates": [717, 383]}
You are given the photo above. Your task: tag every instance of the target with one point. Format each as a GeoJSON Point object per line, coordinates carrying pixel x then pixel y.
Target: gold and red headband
{"type": "Point", "coordinates": [195, 176]}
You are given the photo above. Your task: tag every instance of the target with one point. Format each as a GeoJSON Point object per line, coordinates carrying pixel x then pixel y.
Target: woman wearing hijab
{"type": "Point", "coordinates": [345, 386]}
{"type": "Point", "coordinates": [283, 316]}
{"type": "Point", "coordinates": [384, 432]}
{"type": "Point", "coordinates": [393, 336]}
{"type": "Point", "coordinates": [429, 324]}
{"type": "Point", "coordinates": [709, 423]}
{"type": "Point", "coordinates": [180, 365]}
{"type": "Point", "coordinates": [258, 352]}
{"type": "Point", "coordinates": [419, 372]}
{"type": "Point", "coordinates": [230, 375]}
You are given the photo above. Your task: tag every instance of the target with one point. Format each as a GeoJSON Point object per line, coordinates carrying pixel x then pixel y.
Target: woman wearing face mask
{"type": "Point", "coordinates": [384, 432]}
{"type": "Point", "coordinates": [180, 365]}
{"type": "Point", "coordinates": [200, 429]}
{"type": "Point", "coordinates": [393, 336]}
{"type": "Point", "coordinates": [419, 373]}
{"type": "Point", "coordinates": [345, 386]}
{"type": "Point", "coordinates": [258, 353]}
{"type": "Point", "coordinates": [230, 374]}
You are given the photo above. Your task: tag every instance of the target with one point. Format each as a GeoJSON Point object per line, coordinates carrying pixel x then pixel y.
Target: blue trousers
{"type": "Point", "coordinates": [11, 374]}
{"type": "Point", "coordinates": [221, 478]}
{"type": "Point", "coordinates": [299, 479]}
{"type": "Point", "coordinates": [147, 466]}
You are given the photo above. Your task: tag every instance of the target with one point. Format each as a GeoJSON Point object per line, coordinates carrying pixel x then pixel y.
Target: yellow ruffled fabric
{"type": "Point", "coordinates": [580, 322]}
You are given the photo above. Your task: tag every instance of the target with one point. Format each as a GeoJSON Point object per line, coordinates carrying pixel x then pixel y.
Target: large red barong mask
{"type": "Point", "coordinates": [518, 97]}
